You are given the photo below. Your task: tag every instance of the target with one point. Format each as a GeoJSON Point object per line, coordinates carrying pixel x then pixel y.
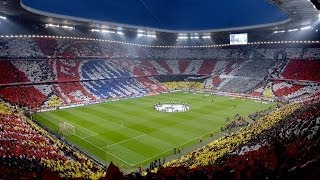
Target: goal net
{"type": "Point", "coordinates": [66, 128]}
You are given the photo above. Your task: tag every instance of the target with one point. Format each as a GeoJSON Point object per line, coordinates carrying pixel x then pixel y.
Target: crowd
{"type": "Point", "coordinates": [19, 47]}
{"type": "Point", "coordinates": [296, 69]}
{"type": "Point", "coordinates": [78, 80]}
{"type": "Point", "coordinates": [185, 85]}
{"type": "Point", "coordinates": [73, 74]}
{"type": "Point", "coordinates": [257, 115]}
{"type": "Point", "coordinates": [239, 85]}
{"type": "Point", "coordinates": [81, 72]}
{"type": "Point", "coordinates": [24, 96]}
{"type": "Point", "coordinates": [238, 121]}
{"type": "Point", "coordinates": [26, 145]}
{"type": "Point", "coordinates": [65, 47]}
{"type": "Point", "coordinates": [289, 89]}
{"type": "Point", "coordinates": [254, 68]}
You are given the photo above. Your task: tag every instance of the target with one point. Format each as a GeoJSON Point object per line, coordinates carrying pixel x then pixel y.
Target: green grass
{"type": "Point", "coordinates": [131, 133]}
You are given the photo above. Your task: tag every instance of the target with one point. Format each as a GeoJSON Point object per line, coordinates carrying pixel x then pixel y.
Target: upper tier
{"type": "Point", "coordinates": [25, 47]}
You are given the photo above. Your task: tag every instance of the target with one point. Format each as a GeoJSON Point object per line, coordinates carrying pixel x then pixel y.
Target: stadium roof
{"type": "Point", "coordinates": [300, 12]}
{"type": "Point", "coordinates": [165, 15]}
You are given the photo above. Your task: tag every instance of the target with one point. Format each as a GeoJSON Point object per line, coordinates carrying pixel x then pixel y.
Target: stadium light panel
{"type": "Point", "coordinates": [282, 31]}
{"type": "Point", "coordinates": [3, 17]}
{"type": "Point", "coordinates": [67, 27]}
{"type": "Point", "coordinates": [120, 33]}
{"type": "Point", "coordinates": [206, 37]}
{"type": "Point", "coordinates": [51, 25]}
{"type": "Point", "coordinates": [292, 30]}
{"type": "Point", "coordinates": [183, 36]}
{"type": "Point", "coordinates": [107, 31]}
{"type": "Point", "coordinates": [305, 28]}
{"type": "Point", "coordinates": [151, 35]}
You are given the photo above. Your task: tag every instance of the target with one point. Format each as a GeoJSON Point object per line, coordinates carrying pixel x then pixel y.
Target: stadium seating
{"type": "Point", "coordinates": [46, 45]}
{"type": "Point", "coordinates": [229, 70]}
{"type": "Point", "coordinates": [243, 76]}
{"type": "Point", "coordinates": [27, 146]}
{"type": "Point", "coordinates": [50, 72]}
{"type": "Point", "coordinates": [19, 47]}
{"type": "Point", "coordinates": [26, 96]}
{"type": "Point", "coordinates": [10, 74]}
{"type": "Point", "coordinates": [239, 85]}
{"type": "Point", "coordinates": [302, 70]}
{"type": "Point", "coordinates": [183, 85]}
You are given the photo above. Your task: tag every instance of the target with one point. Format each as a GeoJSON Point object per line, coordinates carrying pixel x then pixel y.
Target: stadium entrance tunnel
{"type": "Point", "coordinates": [172, 107]}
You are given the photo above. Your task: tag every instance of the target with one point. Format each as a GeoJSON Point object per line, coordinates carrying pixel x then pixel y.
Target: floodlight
{"type": "Point", "coordinates": [120, 33]}
{"type": "Point", "coordinates": [292, 30]}
{"type": "Point", "coordinates": [305, 28]}
{"type": "Point", "coordinates": [206, 37]}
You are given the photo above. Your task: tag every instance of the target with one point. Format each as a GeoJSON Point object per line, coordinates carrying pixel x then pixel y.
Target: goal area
{"type": "Point", "coordinates": [66, 129]}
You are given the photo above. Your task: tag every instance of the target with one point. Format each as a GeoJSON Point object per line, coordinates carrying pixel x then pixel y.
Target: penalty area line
{"type": "Point", "coordinates": [106, 151]}
{"type": "Point", "coordinates": [122, 141]}
{"type": "Point", "coordinates": [119, 125]}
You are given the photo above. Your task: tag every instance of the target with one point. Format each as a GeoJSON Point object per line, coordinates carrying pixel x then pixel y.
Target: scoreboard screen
{"type": "Point", "coordinates": [236, 39]}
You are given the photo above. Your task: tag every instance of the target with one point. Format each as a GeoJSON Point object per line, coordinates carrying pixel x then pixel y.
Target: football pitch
{"type": "Point", "coordinates": [131, 132]}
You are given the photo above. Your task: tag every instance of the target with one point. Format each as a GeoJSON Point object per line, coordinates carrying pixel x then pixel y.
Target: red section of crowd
{"type": "Point", "coordinates": [183, 65]}
{"type": "Point", "coordinates": [287, 90]}
{"type": "Point", "coordinates": [47, 45]}
{"type": "Point", "coordinates": [302, 70]}
{"type": "Point", "coordinates": [26, 96]}
{"type": "Point", "coordinates": [26, 146]}
{"type": "Point", "coordinates": [207, 67]}
{"type": "Point", "coordinates": [10, 74]}
{"type": "Point", "coordinates": [18, 140]}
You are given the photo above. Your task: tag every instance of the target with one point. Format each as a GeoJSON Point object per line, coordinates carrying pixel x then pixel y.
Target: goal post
{"type": "Point", "coordinates": [66, 129]}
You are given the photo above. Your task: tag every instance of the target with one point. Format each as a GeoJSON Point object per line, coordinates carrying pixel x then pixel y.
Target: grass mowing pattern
{"type": "Point", "coordinates": [131, 133]}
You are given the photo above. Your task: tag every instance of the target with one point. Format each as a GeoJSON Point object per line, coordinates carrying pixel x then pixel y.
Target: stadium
{"type": "Point", "coordinates": [146, 89]}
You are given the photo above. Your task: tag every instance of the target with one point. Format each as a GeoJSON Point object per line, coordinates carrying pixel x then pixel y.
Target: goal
{"type": "Point", "coordinates": [66, 128]}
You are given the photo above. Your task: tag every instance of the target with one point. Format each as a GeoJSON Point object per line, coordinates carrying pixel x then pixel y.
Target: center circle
{"type": "Point", "coordinates": [172, 107]}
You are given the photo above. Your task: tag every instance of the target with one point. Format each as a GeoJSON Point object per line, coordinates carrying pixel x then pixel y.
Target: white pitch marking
{"type": "Point", "coordinates": [114, 123]}
{"type": "Point", "coordinates": [75, 124]}
{"type": "Point", "coordinates": [123, 141]}
{"type": "Point", "coordinates": [170, 149]}
{"type": "Point", "coordinates": [106, 151]}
